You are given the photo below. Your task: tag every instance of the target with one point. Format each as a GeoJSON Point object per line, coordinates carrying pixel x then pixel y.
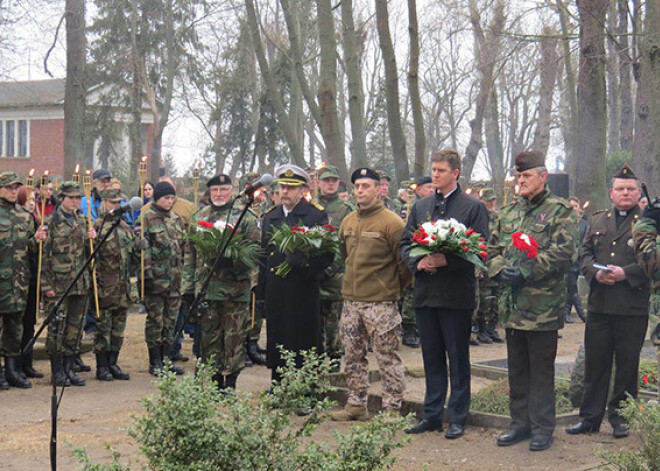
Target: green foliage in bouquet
{"type": "Point", "coordinates": [316, 240]}
{"type": "Point", "coordinates": [209, 239]}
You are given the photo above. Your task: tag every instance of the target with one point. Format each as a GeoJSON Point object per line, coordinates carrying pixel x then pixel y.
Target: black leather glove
{"type": "Point", "coordinates": [651, 212]}
{"type": "Point", "coordinates": [511, 276]}
{"type": "Point", "coordinates": [188, 299]}
{"type": "Point", "coordinates": [297, 259]}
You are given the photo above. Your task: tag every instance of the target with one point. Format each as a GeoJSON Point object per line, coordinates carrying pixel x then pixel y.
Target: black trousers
{"type": "Point", "coordinates": [445, 333]}
{"type": "Point", "coordinates": [610, 339]}
{"type": "Point", "coordinates": [531, 361]}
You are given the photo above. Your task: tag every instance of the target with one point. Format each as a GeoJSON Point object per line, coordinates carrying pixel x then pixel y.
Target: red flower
{"type": "Point", "coordinates": [205, 224]}
{"type": "Point", "coordinates": [645, 379]}
{"type": "Point", "coordinates": [329, 227]}
{"type": "Point", "coordinates": [481, 239]}
{"type": "Point", "coordinates": [483, 255]}
{"type": "Point", "coordinates": [482, 247]}
{"type": "Point", "coordinates": [469, 232]}
{"type": "Point", "coordinates": [451, 229]}
{"type": "Point", "coordinates": [525, 243]}
{"type": "Point", "coordinates": [463, 242]}
{"type": "Point", "coordinates": [466, 248]}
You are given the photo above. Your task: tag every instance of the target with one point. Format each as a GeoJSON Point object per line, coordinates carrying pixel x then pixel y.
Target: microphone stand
{"type": "Point", "coordinates": [53, 316]}
{"type": "Point", "coordinates": [202, 292]}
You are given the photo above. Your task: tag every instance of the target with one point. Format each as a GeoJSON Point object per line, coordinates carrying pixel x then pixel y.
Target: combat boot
{"type": "Point", "coordinates": [474, 342]}
{"type": "Point", "coordinates": [68, 371]}
{"type": "Point", "coordinates": [28, 369]}
{"type": "Point", "coordinates": [155, 360]}
{"type": "Point", "coordinates": [246, 358]}
{"type": "Point", "coordinates": [409, 336]}
{"type": "Point", "coordinates": [57, 371]}
{"type": "Point", "coordinates": [491, 330]}
{"type": "Point", "coordinates": [220, 380]}
{"type": "Point", "coordinates": [165, 356]}
{"type": "Point", "coordinates": [79, 366]}
{"type": "Point", "coordinates": [482, 335]}
{"type": "Point", "coordinates": [230, 381]}
{"type": "Point", "coordinates": [350, 413]}
{"type": "Point", "coordinates": [253, 352]}
{"type": "Point", "coordinates": [13, 374]}
{"type": "Point", "coordinates": [4, 385]}
{"type": "Point", "coordinates": [567, 314]}
{"type": "Point", "coordinates": [102, 371]}
{"type": "Point", "coordinates": [115, 370]}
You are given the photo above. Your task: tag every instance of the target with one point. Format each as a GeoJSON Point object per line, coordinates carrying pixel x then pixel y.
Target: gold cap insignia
{"type": "Point", "coordinates": [288, 173]}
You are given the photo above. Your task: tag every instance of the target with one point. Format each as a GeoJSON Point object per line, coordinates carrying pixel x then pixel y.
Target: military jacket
{"type": "Point", "coordinates": [163, 260]}
{"type": "Point", "coordinates": [337, 210]}
{"type": "Point", "coordinates": [227, 283]}
{"type": "Point", "coordinates": [553, 224]}
{"type": "Point", "coordinates": [605, 243]}
{"type": "Point", "coordinates": [647, 252]}
{"type": "Point", "coordinates": [113, 262]}
{"type": "Point", "coordinates": [64, 254]}
{"type": "Point", "coordinates": [16, 240]}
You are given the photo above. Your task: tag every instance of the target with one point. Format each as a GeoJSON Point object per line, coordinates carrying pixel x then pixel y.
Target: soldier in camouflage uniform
{"type": "Point", "coordinates": [489, 290]}
{"type": "Point", "coordinates": [532, 310]}
{"type": "Point", "coordinates": [113, 262]}
{"type": "Point", "coordinates": [331, 300]}
{"type": "Point", "coordinates": [64, 253]}
{"type": "Point", "coordinates": [163, 267]}
{"type": "Point", "coordinates": [647, 252]}
{"type": "Point", "coordinates": [225, 323]}
{"type": "Point", "coordinates": [17, 238]}
{"type": "Point", "coordinates": [375, 276]}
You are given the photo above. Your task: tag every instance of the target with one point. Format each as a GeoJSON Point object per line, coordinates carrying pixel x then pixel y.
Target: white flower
{"type": "Point", "coordinates": [220, 225]}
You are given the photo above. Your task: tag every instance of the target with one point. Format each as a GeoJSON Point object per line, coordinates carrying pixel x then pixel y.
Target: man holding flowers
{"type": "Point", "coordinates": [225, 323]}
{"type": "Point", "coordinates": [445, 290]}
{"type": "Point", "coordinates": [531, 249]}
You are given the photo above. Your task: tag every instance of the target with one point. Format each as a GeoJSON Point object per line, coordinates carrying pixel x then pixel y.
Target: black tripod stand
{"type": "Point", "coordinates": [55, 315]}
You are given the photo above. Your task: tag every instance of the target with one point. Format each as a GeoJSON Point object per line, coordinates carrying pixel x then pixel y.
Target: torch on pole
{"type": "Point", "coordinates": [43, 192]}
{"type": "Point", "coordinates": [143, 178]}
{"type": "Point", "coordinates": [87, 186]}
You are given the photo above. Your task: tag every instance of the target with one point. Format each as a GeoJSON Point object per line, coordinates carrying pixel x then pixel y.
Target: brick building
{"type": "Point", "coordinates": [32, 128]}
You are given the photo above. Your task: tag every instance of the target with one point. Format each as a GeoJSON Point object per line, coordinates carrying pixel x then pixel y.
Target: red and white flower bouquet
{"type": "Point", "coordinates": [312, 241]}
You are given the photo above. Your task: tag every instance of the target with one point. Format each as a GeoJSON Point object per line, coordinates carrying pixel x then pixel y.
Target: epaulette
{"type": "Point", "coordinates": [599, 211]}
{"type": "Point", "coordinates": [270, 209]}
{"type": "Point", "coordinates": [318, 206]}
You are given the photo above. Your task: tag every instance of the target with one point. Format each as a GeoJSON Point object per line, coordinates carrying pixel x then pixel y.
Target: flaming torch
{"type": "Point", "coordinates": [87, 186]}
{"type": "Point", "coordinates": [143, 178]}
{"type": "Point", "coordinates": [507, 187]}
{"type": "Point", "coordinates": [43, 192]}
{"type": "Point", "coordinates": [76, 175]}
{"type": "Point", "coordinates": [29, 183]}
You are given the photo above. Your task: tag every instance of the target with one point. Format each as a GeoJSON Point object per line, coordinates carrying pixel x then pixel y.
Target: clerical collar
{"type": "Point", "coordinates": [622, 213]}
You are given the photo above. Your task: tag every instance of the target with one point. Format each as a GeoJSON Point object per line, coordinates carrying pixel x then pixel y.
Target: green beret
{"type": "Point", "coordinates": [69, 189]}
{"type": "Point", "coordinates": [9, 178]}
{"type": "Point", "coordinates": [112, 195]}
{"type": "Point", "coordinates": [328, 172]}
{"type": "Point", "coordinates": [487, 194]}
{"type": "Point", "coordinates": [626, 173]}
{"type": "Point", "coordinates": [528, 159]}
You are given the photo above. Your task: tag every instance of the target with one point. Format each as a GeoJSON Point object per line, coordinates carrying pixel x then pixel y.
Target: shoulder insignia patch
{"type": "Point", "coordinates": [318, 206]}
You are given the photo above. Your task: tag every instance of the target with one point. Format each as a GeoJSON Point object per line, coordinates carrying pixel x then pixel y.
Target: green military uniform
{"type": "Point", "coordinates": [532, 303]}
{"type": "Point", "coordinates": [225, 323]}
{"type": "Point", "coordinates": [163, 268]}
{"type": "Point", "coordinates": [331, 299]}
{"type": "Point", "coordinates": [16, 240]}
{"type": "Point", "coordinates": [113, 262]}
{"type": "Point", "coordinates": [647, 252]}
{"type": "Point", "coordinates": [410, 334]}
{"type": "Point", "coordinates": [64, 254]}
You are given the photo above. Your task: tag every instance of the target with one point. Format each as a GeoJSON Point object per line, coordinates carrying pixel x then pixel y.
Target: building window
{"type": "Point", "coordinates": [10, 126]}
{"type": "Point", "coordinates": [22, 138]}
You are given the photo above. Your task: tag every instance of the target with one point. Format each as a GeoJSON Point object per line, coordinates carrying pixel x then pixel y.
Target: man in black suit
{"type": "Point", "coordinates": [618, 307]}
{"type": "Point", "coordinates": [444, 297]}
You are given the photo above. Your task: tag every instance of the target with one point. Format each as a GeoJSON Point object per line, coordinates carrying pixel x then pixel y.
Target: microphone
{"type": "Point", "coordinates": [134, 204]}
{"type": "Point", "coordinates": [265, 180]}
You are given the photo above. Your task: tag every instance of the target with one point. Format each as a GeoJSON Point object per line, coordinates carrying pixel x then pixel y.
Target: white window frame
{"type": "Point", "coordinates": [17, 138]}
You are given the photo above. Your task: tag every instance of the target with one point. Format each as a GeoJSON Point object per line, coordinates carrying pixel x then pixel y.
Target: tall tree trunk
{"type": "Point", "coordinates": [625, 79]}
{"type": "Point", "coordinates": [647, 74]}
{"type": "Point", "coordinates": [135, 128]}
{"type": "Point", "coordinates": [549, 65]}
{"type": "Point", "coordinates": [74, 91]}
{"type": "Point", "coordinates": [327, 90]}
{"type": "Point", "coordinates": [355, 92]}
{"type": "Point", "coordinates": [569, 92]}
{"type": "Point", "coordinates": [494, 143]}
{"type": "Point", "coordinates": [275, 99]}
{"type": "Point", "coordinates": [413, 89]}
{"type": "Point", "coordinates": [486, 52]}
{"type": "Point", "coordinates": [592, 104]}
{"type": "Point", "coordinates": [394, 124]}
{"type": "Point", "coordinates": [613, 85]}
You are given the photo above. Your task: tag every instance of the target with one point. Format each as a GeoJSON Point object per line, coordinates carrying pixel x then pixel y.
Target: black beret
{"type": "Point", "coordinates": [220, 179]}
{"type": "Point", "coordinates": [419, 181]}
{"type": "Point", "coordinates": [365, 173]}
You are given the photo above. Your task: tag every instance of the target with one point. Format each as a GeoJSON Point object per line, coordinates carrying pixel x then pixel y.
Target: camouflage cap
{"type": "Point", "coordinates": [404, 185]}
{"type": "Point", "coordinates": [529, 159]}
{"type": "Point", "coordinates": [384, 176]}
{"type": "Point", "coordinates": [69, 189]}
{"type": "Point", "coordinates": [487, 194]}
{"type": "Point", "coordinates": [328, 172]}
{"type": "Point", "coordinates": [9, 178]}
{"type": "Point", "coordinates": [114, 196]}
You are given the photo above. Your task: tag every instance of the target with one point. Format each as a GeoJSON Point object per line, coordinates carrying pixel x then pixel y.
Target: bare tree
{"type": "Point", "coordinates": [548, 65]}
{"type": "Point", "coordinates": [626, 54]}
{"type": "Point", "coordinates": [413, 89]}
{"type": "Point", "coordinates": [75, 89]}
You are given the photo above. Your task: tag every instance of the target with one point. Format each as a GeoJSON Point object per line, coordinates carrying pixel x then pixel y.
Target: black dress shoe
{"type": "Point", "coordinates": [620, 431]}
{"type": "Point", "coordinates": [582, 427]}
{"type": "Point", "coordinates": [424, 426]}
{"type": "Point", "coordinates": [513, 436]}
{"type": "Point", "coordinates": [540, 442]}
{"type": "Point", "coordinates": [454, 431]}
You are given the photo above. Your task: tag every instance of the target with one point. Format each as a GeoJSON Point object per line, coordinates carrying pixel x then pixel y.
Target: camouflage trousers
{"type": "Point", "coordinates": [379, 322]}
{"type": "Point", "coordinates": [11, 331]}
{"type": "Point", "coordinates": [224, 329]}
{"type": "Point", "coordinates": [161, 318]}
{"type": "Point", "coordinates": [254, 331]}
{"type": "Point", "coordinates": [489, 293]}
{"type": "Point", "coordinates": [110, 327]}
{"type": "Point", "coordinates": [407, 311]}
{"type": "Point", "coordinates": [65, 332]}
{"type": "Point", "coordinates": [330, 314]}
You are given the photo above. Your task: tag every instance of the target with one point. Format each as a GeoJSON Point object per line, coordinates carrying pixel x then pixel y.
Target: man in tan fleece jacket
{"type": "Point", "coordinates": [374, 279]}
